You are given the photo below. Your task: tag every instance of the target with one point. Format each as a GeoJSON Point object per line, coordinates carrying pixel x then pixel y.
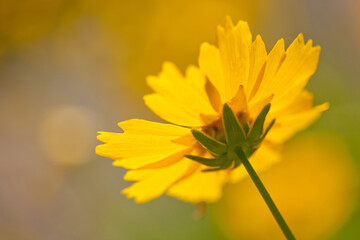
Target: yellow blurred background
{"type": "Point", "coordinates": [69, 68]}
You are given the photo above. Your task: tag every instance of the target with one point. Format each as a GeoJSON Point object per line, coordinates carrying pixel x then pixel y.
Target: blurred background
{"type": "Point", "coordinates": [69, 68]}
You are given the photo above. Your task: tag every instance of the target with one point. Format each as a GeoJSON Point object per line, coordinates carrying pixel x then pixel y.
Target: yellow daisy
{"type": "Point", "coordinates": [237, 73]}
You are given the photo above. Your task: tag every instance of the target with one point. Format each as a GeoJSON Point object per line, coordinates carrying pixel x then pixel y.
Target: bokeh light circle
{"type": "Point", "coordinates": [67, 135]}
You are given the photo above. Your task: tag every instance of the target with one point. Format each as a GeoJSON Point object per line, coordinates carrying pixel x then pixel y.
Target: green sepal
{"type": "Point", "coordinates": [266, 132]}
{"type": "Point", "coordinates": [239, 143]}
{"type": "Point", "coordinates": [232, 155]}
{"type": "Point", "coordinates": [245, 125]}
{"type": "Point", "coordinates": [226, 165]}
{"type": "Point", "coordinates": [210, 162]}
{"type": "Point", "coordinates": [210, 143]}
{"type": "Point", "coordinates": [258, 126]}
{"type": "Point", "coordinates": [233, 130]}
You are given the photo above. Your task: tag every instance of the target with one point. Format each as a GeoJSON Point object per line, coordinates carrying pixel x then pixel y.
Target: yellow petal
{"type": "Point", "coordinates": [139, 126]}
{"type": "Point", "coordinates": [239, 102]}
{"type": "Point", "coordinates": [210, 65]}
{"type": "Point", "coordinates": [286, 126]}
{"type": "Point", "coordinates": [170, 160]}
{"type": "Point", "coordinates": [304, 101]}
{"type": "Point", "coordinates": [300, 63]}
{"type": "Point", "coordinates": [256, 107]}
{"type": "Point", "coordinates": [170, 111]}
{"type": "Point", "coordinates": [123, 145]}
{"type": "Point", "coordinates": [152, 183]}
{"type": "Point", "coordinates": [186, 92]}
{"type": "Point", "coordinates": [257, 63]}
{"type": "Point", "coordinates": [214, 96]}
{"type": "Point", "coordinates": [273, 63]}
{"type": "Point", "coordinates": [106, 136]}
{"type": "Point", "coordinates": [196, 81]}
{"type": "Point", "coordinates": [152, 161]}
{"type": "Point", "coordinates": [200, 186]}
{"type": "Point", "coordinates": [143, 143]}
{"type": "Point", "coordinates": [234, 46]}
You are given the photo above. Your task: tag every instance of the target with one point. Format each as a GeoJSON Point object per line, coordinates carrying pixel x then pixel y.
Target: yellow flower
{"type": "Point", "coordinates": [238, 72]}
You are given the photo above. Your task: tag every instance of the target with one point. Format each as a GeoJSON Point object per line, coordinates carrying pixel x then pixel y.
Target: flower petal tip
{"type": "Point", "coordinates": [324, 107]}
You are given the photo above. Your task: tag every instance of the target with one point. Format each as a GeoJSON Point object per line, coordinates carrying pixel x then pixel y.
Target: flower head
{"type": "Point", "coordinates": [238, 78]}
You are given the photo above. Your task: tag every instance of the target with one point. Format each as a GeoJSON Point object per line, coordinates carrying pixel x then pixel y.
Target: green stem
{"type": "Point", "coordinates": [264, 193]}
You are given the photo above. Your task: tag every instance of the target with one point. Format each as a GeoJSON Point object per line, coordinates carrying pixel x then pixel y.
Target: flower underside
{"type": "Point", "coordinates": [235, 133]}
{"type": "Point", "coordinates": [216, 110]}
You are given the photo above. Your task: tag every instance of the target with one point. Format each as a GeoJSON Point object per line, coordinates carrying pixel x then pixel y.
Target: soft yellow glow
{"type": "Point", "coordinates": [23, 22]}
{"type": "Point", "coordinates": [66, 135]}
{"type": "Point", "coordinates": [162, 30]}
{"type": "Point", "coordinates": [314, 187]}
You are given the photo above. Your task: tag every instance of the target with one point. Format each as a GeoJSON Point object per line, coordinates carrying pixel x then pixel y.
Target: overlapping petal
{"type": "Point", "coordinates": [228, 65]}
{"type": "Point", "coordinates": [179, 99]}
{"type": "Point", "coordinates": [152, 183]}
{"type": "Point", "coordinates": [142, 143]}
{"type": "Point", "coordinates": [234, 44]}
{"type": "Point", "coordinates": [200, 186]}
